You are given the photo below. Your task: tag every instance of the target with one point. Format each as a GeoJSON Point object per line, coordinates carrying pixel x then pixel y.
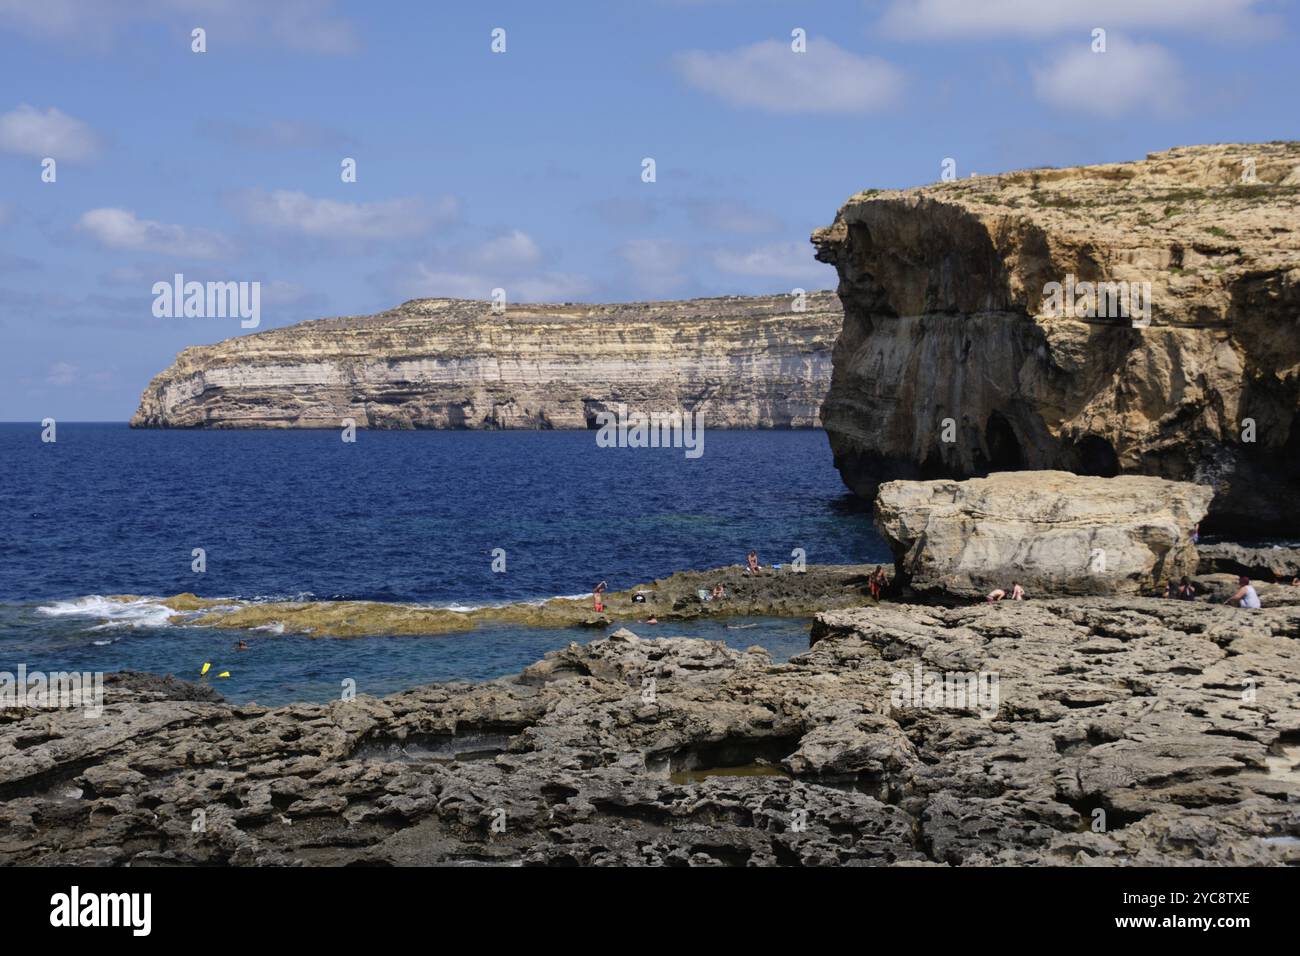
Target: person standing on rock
{"type": "Point", "coordinates": [1245, 596]}
{"type": "Point", "coordinates": [598, 593]}
{"type": "Point", "coordinates": [878, 582]}
{"type": "Point", "coordinates": [1017, 592]}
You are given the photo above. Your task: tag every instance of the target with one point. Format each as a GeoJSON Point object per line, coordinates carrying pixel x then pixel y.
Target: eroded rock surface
{"type": "Point", "coordinates": [952, 363]}
{"type": "Point", "coordinates": [782, 592]}
{"type": "Point", "coordinates": [1179, 722]}
{"type": "Point", "coordinates": [1051, 531]}
{"type": "Point", "coordinates": [1269, 563]}
{"type": "Point", "coordinates": [740, 362]}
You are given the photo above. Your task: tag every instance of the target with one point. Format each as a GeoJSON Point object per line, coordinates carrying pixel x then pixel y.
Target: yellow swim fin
{"type": "Point", "coordinates": [206, 666]}
{"type": "Point", "coordinates": [224, 674]}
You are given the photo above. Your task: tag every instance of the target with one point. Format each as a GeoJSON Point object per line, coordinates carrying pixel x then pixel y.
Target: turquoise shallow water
{"type": "Point", "coordinates": [279, 669]}
{"type": "Point", "coordinates": [398, 516]}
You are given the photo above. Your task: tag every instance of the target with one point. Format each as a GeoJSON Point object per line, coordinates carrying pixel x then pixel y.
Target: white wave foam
{"type": "Point", "coordinates": [526, 602]}
{"type": "Point", "coordinates": [275, 627]}
{"type": "Point", "coordinates": [139, 613]}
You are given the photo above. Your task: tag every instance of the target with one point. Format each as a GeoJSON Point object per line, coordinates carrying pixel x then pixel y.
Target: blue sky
{"type": "Point", "coordinates": [523, 169]}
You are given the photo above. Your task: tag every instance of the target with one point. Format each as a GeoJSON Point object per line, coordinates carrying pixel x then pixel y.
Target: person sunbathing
{"type": "Point", "coordinates": [751, 563]}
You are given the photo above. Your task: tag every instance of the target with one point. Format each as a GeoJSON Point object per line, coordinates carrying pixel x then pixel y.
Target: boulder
{"type": "Point", "coordinates": [1052, 531]}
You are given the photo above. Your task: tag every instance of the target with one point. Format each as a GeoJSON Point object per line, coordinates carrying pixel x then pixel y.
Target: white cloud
{"type": "Point", "coordinates": [121, 229]}
{"type": "Point", "coordinates": [963, 18]}
{"type": "Point", "coordinates": [508, 261]}
{"type": "Point", "coordinates": [307, 26]}
{"type": "Point", "coordinates": [783, 260]}
{"type": "Point", "coordinates": [61, 374]}
{"type": "Point", "coordinates": [513, 250]}
{"type": "Point", "coordinates": [29, 132]}
{"type": "Point", "coordinates": [296, 212]}
{"type": "Point", "coordinates": [770, 76]}
{"type": "Point", "coordinates": [1128, 77]}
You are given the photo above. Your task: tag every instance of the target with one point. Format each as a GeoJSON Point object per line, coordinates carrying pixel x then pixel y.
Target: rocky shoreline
{"type": "Point", "coordinates": [782, 592]}
{"type": "Point", "coordinates": [1179, 722]}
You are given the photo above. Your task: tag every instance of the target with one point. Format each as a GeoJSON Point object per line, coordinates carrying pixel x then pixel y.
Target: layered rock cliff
{"type": "Point", "coordinates": [449, 363]}
{"type": "Point", "coordinates": [958, 358]}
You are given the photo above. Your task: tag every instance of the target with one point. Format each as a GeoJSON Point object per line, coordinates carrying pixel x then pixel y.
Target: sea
{"type": "Point", "coordinates": [444, 518]}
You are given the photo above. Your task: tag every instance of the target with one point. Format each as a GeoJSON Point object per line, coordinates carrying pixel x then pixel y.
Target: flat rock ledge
{"type": "Point", "coordinates": [782, 592]}
{"type": "Point", "coordinates": [1053, 532]}
{"type": "Point", "coordinates": [1271, 563]}
{"type": "Point", "coordinates": [1124, 731]}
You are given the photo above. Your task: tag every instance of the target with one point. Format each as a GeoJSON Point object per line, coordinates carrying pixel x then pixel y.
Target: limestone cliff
{"type": "Point", "coordinates": [957, 360]}
{"type": "Point", "coordinates": [448, 363]}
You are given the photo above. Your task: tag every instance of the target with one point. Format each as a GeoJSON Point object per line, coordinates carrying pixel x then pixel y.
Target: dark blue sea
{"type": "Point", "coordinates": [396, 516]}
